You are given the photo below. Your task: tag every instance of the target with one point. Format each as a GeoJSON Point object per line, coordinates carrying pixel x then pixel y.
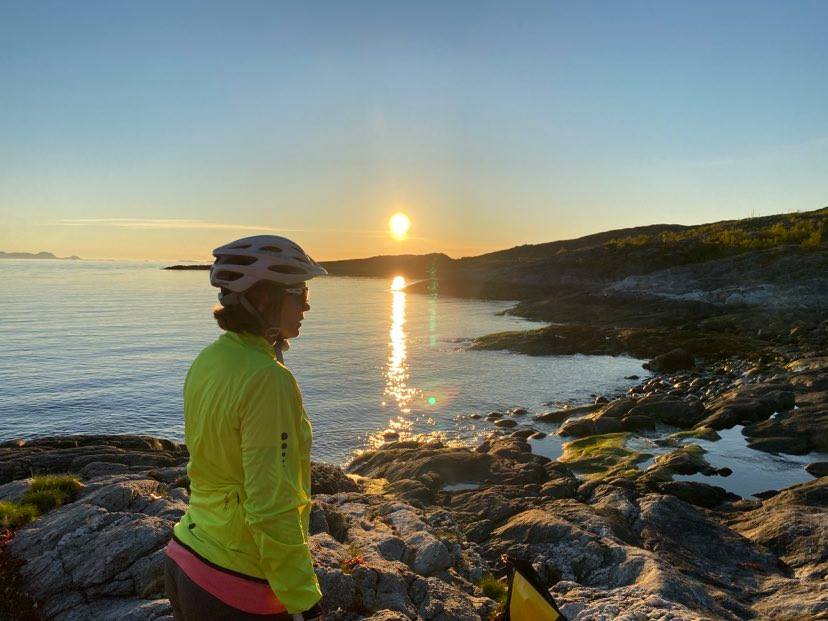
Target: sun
{"type": "Point", "coordinates": [398, 284]}
{"type": "Point", "coordinates": [399, 225]}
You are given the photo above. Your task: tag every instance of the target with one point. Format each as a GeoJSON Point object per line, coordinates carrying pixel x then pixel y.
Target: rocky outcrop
{"type": "Point", "coordinates": [24, 458]}
{"type": "Point", "coordinates": [101, 556]}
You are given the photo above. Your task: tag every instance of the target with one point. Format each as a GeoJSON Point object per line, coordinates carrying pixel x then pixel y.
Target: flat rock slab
{"type": "Point", "coordinates": [24, 458]}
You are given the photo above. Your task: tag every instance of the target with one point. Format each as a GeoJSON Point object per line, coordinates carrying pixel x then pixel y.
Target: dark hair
{"type": "Point", "coordinates": [235, 318]}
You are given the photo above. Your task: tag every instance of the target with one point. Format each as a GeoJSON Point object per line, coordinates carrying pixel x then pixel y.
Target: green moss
{"type": "Point", "coordinates": [602, 455]}
{"type": "Point", "coordinates": [493, 588]}
{"type": "Point", "coordinates": [13, 515]}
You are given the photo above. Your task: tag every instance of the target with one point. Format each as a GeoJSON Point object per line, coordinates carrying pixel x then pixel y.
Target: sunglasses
{"type": "Point", "coordinates": [300, 292]}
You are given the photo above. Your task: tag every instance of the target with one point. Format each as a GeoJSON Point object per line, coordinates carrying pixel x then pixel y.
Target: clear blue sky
{"type": "Point", "coordinates": [490, 124]}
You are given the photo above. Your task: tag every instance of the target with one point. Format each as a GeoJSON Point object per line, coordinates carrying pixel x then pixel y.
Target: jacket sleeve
{"type": "Point", "coordinates": [270, 414]}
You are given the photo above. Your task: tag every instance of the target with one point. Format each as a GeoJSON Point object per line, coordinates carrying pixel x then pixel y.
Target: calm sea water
{"type": "Point", "coordinates": [103, 347]}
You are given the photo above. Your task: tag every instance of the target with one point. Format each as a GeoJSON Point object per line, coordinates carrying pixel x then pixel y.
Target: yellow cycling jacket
{"type": "Point", "coordinates": [249, 441]}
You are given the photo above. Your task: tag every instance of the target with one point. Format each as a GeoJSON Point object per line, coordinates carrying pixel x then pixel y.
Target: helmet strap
{"type": "Point", "coordinates": [271, 333]}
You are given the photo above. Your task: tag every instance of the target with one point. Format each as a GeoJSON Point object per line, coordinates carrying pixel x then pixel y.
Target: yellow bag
{"type": "Point", "coordinates": [527, 600]}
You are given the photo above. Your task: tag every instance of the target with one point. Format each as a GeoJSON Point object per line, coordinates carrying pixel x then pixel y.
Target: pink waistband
{"type": "Point", "coordinates": [247, 595]}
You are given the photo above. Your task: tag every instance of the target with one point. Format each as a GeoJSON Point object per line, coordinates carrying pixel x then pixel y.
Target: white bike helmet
{"type": "Point", "coordinates": [241, 264]}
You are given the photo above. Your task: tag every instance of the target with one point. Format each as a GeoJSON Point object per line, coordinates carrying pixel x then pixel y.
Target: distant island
{"type": "Point", "coordinates": [35, 255]}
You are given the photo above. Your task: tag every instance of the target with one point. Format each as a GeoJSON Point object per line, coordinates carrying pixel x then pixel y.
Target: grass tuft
{"type": "Point", "coordinates": [14, 515]}
{"type": "Point", "coordinates": [493, 588]}
{"type": "Point", "coordinates": [44, 494]}
{"type": "Point", "coordinates": [67, 483]}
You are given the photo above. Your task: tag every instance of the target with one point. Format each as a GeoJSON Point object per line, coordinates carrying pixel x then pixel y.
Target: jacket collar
{"type": "Point", "coordinates": [246, 339]}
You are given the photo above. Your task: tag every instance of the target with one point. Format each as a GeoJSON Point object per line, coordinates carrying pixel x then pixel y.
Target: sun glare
{"type": "Point", "coordinates": [398, 284]}
{"type": "Point", "coordinates": [399, 225]}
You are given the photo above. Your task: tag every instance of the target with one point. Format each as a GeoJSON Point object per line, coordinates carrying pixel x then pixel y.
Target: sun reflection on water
{"type": "Point", "coordinates": [397, 374]}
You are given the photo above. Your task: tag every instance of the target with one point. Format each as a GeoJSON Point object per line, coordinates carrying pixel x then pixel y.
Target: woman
{"type": "Point", "coordinates": [241, 550]}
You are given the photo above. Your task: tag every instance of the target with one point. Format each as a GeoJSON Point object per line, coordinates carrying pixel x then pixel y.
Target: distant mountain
{"type": "Point", "coordinates": [35, 255]}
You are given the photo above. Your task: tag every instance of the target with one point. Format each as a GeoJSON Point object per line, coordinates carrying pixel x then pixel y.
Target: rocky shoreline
{"type": "Point", "coordinates": [416, 527]}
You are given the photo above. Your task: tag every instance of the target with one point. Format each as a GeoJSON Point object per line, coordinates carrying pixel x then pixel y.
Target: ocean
{"type": "Point", "coordinates": [104, 346]}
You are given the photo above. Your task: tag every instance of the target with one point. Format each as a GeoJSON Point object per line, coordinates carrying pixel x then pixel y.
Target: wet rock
{"type": "Point", "coordinates": [538, 435]}
{"type": "Point", "coordinates": [743, 406]}
{"type": "Point", "coordinates": [689, 459]}
{"type": "Point", "coordinates": [790, 446]}
{"type": "Point", "coordinates": [675, 412]}
{"type": "Point", "coordinates": [674, 360]}
{"type": "Point", "coordinates": [523, 433]}
{"type": "Point", "coordinates": [806, 427]}
{"type": "Point", "coordinates": [617, 408]}
{"type": "Point", "coordinates": [329, 479]}
{"type": "Point", "coordinates": [558, 416]}
{"type": "Point", "coordinates": [817, 468]}
{"type": "Point", "coordinates": [505, 423]}
{"type": "Point", "coordinates": [632, 422]}
{"type": "Point", "coordinates": [518, 412]}
{"type": "Point", "coordinates": [592, 425]}
{"type": "Point", "coordinates": [699, 494]}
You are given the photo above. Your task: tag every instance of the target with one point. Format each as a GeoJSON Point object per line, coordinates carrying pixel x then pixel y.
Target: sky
{"type": "Point", "coordinates": [160, 130]}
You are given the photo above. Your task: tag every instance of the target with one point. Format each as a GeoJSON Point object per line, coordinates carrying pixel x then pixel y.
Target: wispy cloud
{"type": "Point", "coordinates": [157, 223]}
{"type": "Point", "coordinates": [183, 223]}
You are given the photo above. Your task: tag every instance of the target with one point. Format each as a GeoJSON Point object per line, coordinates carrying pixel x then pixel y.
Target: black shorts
{"type": "Point", "coordinates": [192, 603]}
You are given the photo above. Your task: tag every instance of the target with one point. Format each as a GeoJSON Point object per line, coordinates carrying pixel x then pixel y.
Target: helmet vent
{"type": "Point", "coordinates": [240, 246]}
{"type": "Point", "coordinates": [270, 249]}
{"type": "Point", "coordinates": [236, 260]}
{"type": "Point", "coordinates": [228, 275]}
{"type": "Point", "coordinates": [286, 269]}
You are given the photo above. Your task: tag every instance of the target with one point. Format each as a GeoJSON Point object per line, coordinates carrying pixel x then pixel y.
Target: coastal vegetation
{"type": "Point", "coordinates": [43, 494]}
